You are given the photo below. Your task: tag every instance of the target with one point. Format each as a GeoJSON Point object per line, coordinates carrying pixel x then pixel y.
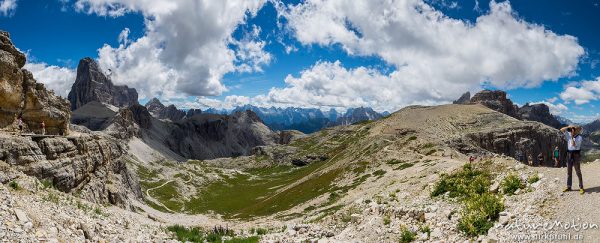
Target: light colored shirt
{"type": "Point", "coordinates": [570, 145]}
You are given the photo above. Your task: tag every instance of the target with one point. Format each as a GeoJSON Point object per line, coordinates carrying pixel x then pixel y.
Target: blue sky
{"type": "Point", "coordinates": [320, 54]}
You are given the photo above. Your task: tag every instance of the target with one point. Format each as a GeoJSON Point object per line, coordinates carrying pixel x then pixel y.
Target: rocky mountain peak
{"type": "Point", "coordinates": [496, 100]}
{"type": "Point", "coordinates": [154, 106]}
{"type": "Point", "coordinates": [463, 99]}
{"type": "Point", "coordinates": [539, 113]}
{"type": "Point", "coordinates": [91, 84]}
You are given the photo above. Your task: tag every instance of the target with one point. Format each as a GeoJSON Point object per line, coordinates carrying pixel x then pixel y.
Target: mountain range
{"type": "Point", "coordinates": [306, 120]}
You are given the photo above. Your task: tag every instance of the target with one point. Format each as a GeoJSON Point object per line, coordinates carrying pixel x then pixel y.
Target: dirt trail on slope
{"type": "Point", "coordinates": [572, 207]}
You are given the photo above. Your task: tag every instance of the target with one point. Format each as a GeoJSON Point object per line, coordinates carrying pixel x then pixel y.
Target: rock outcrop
{"type": "Point", "coordinates": [496, 100]}
{"type": "Point", "coordinates": [463, 99]}
{"type": "Point", "coordinates": [91, 84]}
{"type": "Point", "coordinates": [539, 113]}
{"type": "Point", "coordinates": [21, 95]}
{"type": "Point", "coordinates": [91, 165]}
{"type": "Point", "coordinates": [519, 141]}
{"type": "Point", "coordinates": [141, 116]}
{"type": "Point", "coordinates": [354, 115]}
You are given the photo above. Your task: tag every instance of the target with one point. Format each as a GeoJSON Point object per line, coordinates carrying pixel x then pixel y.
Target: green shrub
{"type": "Point", "coordinates": [511, 184]}
{"type": "Point", "coordinates": [184, 234]}
{"type": "Point", "coordinates": [14, 185]}
{"type": "Point", "coordinates": [387, 220]}
{"type": "Point", "coordinates": [411, 138]}
{"type": "Point", "coordinates": [425, 229]}
{"type": "Point", "coordinates": [261, 231]}
{"type": "Point", "coordinates": [533, 178]}
{"type": "Point", "coordinates": [406, 235]}
{"type": "Point", "coordinates": [479, 214]}
{"type": "Point", "coordinates": [47, 184]}
{"type": "Point", "coordinates": [463, 183]}
{"type": "Point", "coordinates": [251, 239]}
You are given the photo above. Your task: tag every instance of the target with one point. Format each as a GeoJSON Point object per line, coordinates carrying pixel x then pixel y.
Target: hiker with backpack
{"type": "Point", "coordinates": [574, 140]}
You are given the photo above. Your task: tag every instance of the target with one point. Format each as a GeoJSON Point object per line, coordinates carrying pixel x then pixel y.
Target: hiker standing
{"type": "Point", "coordinates": [530, 160]}
{"type": "Point", "coordinates": [555, 156]}
{"type": "Point", "coordinates": [574, 139]}
{"type": "Point", "coordinates": [20, 124]}
{"type": "Point", "coordinates": [43, 125]}
{"type": "Point", "coordinates": [540, 159]}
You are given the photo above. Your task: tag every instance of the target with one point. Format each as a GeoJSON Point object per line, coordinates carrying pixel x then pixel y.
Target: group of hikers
{"type": "Point", "coordinates": [20, 124]}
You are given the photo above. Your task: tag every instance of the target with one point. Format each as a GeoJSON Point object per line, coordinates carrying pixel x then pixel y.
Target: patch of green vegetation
{"type": "Point", "coordinates": [395, 162]}
{"type": "Point", "coordinates": [196, 234]}
{"type": "Point", "coordinates": [47, 184]}
{"type": "Point", "coordinates": [430, 152]}
{"type": "Point", "coordinates": [427, 145]}
{"type": "Point", "coordinates": [379, 173]}
{"type": "Point", "coordinates": [406, 235]}
{"type": "Point", "coordinates": [14, 185]}
{"type": "Point", "coordinates": [533, 178]}
{"type": "Point", "coordinates": [466, 182]}
{"type": "Point", "coordinates": [184, 177]}
{"type": "Point", "coordinates": [511, 183]}
{"type": "Point", "coordinates": [147, 174]}
{"type": "Point", "coordinates": [259, 231]}
{"type": "Point", "coordinates": [167, 195]}
{"type": "Point", "coordinates": [250, 239]}
{"type": "Point", "coordinates": [259, 191]}
{"type": "Point", "coordinates": [425, 229]}
{"type": "Point", "coordinates": [52, 197]}
{"type": "Point", "coordinates": [480, 207]}
{"type": "Point", "coordinates": [412, 138]}
{"type": "Point", "coordinates": [386, 220]}
{"type": "Point", "coordinates": [479, 214]}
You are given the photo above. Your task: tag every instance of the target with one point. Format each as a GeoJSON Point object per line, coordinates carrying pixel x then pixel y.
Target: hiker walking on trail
{"type": "Point", "coordinates": [43, 126]}
{"type": "Point", "coordinates": [555, 156]}
{"type": "Point", "coordinates": [574, 139]}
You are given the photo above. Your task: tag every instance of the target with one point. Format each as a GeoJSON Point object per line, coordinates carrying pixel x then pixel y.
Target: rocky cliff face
{"type": "Point", "coordinates": [539, 113]}
{"type": "Point", "coordinates": [355, 115]}
{"type": "Point", "coordinates": [519, 141]}
{"type": "Point", "coordinates": [92, 85]}
{"type": "Point", "coordinates": [21, 95]}
{"type": "Point", "coordinates": [496, 100]}
{"type": "Point", "coordinates": [91, 165]}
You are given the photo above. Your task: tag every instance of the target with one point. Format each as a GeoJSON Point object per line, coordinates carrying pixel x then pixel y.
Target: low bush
{"type": "Point", "coordinates": [533, 178]}
{"type": "Point", "coordinates": [462, 184]}
{"type": "Point", "coordinates": [479, 214]}
{"type": "Point", "coordinates": [406, 235]}
{"type": "Point", "coordinates": [511, 184]}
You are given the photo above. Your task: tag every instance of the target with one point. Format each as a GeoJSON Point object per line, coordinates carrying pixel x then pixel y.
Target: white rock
{"type": "Point", "coordinates": [22, 216]}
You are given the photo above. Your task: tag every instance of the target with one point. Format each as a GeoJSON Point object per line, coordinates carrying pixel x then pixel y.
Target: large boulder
{"type": "Point", "coordinates": [91, 84]}
{"type": "Point", "coordinates": [496, 100]}
{"type": "Point", "coordinates": [21, 95]}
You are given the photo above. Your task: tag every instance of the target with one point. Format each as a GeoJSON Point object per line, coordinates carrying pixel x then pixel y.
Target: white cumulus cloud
{"type": "Point", "coordinates": [185, 48]}
{"type": "Point", "coordinates": [7, 7]}
{"type": "Point", "coordinates": [436, 58]}
{"type": "Point", "coordinates": [58, 79]}
{"type": "Point", "coordinates": [582, 92]}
